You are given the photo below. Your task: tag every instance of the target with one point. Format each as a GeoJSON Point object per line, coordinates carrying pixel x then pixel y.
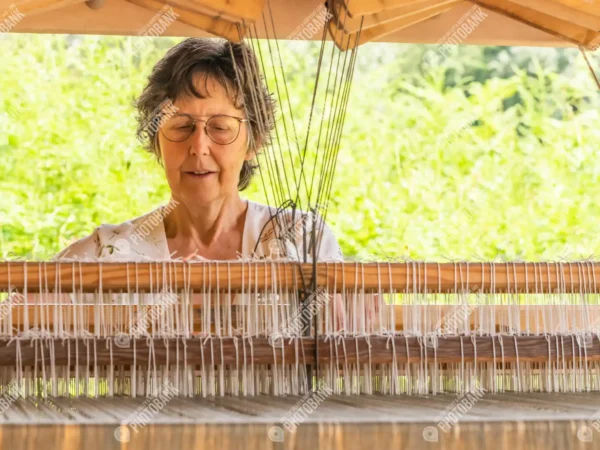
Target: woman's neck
{"type": "Point", "coordinates": [204, 226]}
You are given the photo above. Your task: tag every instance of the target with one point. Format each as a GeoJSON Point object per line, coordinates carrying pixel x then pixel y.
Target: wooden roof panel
{"type": "Point", "coordinates": [507, 22]}
{"type": "Point", "coordinates": [496, 30]}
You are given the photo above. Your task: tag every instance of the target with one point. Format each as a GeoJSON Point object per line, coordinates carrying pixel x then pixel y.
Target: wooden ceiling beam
{"type": "Point", "coordinates": [347, 41]}
{"type": "Point", "coordinates": [119, 17]}
{"type": "Point", "coordinates": [249, 10]}
{"type": "Point", "coordinates": [186, 5]}
{"type": "Point", "coordinates": [116, 17]}
{"type": "Point", "coordinates": [585, 6]}
{"type": "Point", "coordinates": [33, 7]}
{"type": "Point", "coordinates": [556, 8]}
{"type": "Point", "coordinates": [496, 29]}
{"type": "Point", "coordinates": [560, 28]}
{"type": "Point", "coordinates": [353, 24]}
{"type": "Point", "coordinates": [357, 8]}
{"type": "Point", "coordinates": [213, 25]}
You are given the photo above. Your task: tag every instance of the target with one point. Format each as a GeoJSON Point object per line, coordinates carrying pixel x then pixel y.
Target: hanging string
{"type": "Point", "coordinates": [589, 64]}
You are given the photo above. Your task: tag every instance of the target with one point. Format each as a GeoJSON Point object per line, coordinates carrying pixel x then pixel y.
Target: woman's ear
{"type": "Point", "coordinates": [251, 152]}
{"type": "Point", "coordinates": [158, 150]}
{"type": "Point", "coordinates": [250, 155]}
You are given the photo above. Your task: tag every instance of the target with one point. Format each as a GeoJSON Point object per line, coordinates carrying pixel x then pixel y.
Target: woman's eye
{"type": "Point", "coordinates": [218, 129]}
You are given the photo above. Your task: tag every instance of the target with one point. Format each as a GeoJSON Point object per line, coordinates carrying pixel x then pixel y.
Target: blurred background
{"type": "Point", "coordinates": [489, 153]}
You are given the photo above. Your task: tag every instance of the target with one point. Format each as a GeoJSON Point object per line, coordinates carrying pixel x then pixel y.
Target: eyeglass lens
{"type": "Point", "coordinates": [220, 129]}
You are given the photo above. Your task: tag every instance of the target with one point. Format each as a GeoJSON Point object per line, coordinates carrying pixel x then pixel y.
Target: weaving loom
{"type": "Point", "coordinates": [83, 344]}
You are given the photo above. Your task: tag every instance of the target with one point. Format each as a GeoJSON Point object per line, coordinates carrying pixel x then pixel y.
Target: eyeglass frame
{"type": "Point", "coordinates": [194, 121]}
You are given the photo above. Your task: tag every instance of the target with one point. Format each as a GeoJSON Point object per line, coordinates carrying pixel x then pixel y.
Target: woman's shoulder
{"type": "Point", "coordinates": [138, 238]}
{"type": "Point", "coordinates": [284, 214]}
{"type": "Point", "coordinates": [281, 230]}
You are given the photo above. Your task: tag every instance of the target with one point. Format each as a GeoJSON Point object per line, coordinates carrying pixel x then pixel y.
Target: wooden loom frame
{"type": "Point", "coordinates": [377, 277]}
{"type": "Point", "coordinates": [509, 277]}
{"type": "Point", "coordinates": [538, 278]}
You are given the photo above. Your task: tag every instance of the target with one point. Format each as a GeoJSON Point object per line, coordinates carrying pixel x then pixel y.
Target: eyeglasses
{"type": "Point", "coordinates": [221, 129]}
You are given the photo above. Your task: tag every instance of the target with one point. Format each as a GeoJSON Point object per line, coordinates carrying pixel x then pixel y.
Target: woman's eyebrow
{"type": "Point", "coordinates": [213, 113]}
{"type": "Point", "coordinates": [184, 113]}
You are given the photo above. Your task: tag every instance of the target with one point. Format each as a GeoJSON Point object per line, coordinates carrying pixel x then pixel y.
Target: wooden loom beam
{"type": "Point", "coordinates": [543, 277]}
{"type": "Point", "coordinates": [534, 318]}
{"type": "Point", "coordinates": [237, 351]}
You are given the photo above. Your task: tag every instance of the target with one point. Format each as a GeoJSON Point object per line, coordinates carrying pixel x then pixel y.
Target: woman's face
{"type": "Point", "coordinates": [200, 171]}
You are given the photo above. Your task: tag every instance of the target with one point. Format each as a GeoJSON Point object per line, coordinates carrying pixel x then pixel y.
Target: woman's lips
{"type": "Point", "coordinates": [199, 175]}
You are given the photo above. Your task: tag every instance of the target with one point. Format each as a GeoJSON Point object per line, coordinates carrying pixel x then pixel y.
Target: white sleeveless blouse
{"type": "Point", "coordinates": [267, 235]}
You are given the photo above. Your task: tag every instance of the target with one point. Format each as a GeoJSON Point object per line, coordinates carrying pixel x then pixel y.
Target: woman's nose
{"type": "Point", "coordinates": [199, 141]}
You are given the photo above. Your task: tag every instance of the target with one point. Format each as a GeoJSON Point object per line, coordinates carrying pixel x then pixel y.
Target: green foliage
{"type": "Point", "coordinates": [490, 152]}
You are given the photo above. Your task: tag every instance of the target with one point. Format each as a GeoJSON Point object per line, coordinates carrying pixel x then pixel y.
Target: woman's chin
{"type": "Point", "coordinates": [203, 195]}
{"type": "Point", "coordinates": [202, 198]}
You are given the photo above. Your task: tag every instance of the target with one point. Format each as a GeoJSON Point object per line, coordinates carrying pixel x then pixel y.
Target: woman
{"type": "Point", "coordinates": [205, 119]}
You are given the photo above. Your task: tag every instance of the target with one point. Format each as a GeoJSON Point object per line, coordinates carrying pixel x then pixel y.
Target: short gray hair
{"type": "Point", "coordinates": [233, 66]}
